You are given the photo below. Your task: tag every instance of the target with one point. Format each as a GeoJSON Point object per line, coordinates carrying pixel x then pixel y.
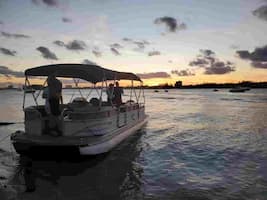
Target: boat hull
{"type": "Point", "coordinates": [109, 144]}
{"type": "Point", "coordinates": [60, 146]}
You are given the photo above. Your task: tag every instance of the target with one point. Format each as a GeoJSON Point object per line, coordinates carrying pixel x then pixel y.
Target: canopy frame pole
{"type": "Point", "coordinates": [24, 95]}
{"type": "Point", "coordinates": [96, 89]}
{"type": "Point", "coordinates": [77, 85]}
{"type": "Point", "coordinates": [131, 92]}
{"type": "Point", "coordinates": [139, 94]}
{"type": "Point", "coordinates": [40, 90]}
{"type": "Point", "coordinates": [101, 92]}
{"type": "Point", "coordinates": [29, 84]}
{"type": "Point", "coordinates": [74, 91]}
{"type": "Point", "coordinates": [144, 98]}
{"type": "Point", "coordinates": [89, 93]}
{"type": "Point", "coordinates": [135, 96]}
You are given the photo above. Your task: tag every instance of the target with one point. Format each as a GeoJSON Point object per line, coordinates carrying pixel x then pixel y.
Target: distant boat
{"type": "Point", "coordinates": [156, 91]}
{"type": "Point", "coordinates": [238, 89]}
{"type": "Point", "coordinates": [166, 91]}
{"type": "Point", "coordinates": [215, 90]}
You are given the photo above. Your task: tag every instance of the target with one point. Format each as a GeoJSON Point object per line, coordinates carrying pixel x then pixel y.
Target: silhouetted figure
{"type": "Point", "coordinates": [54, 94]}
{"type": "Point", "coordinates": [110, 94]}
{"type": "Point", "coordinates": [118, 91]}
{"type": "Point", "coordinates": [55, 98]}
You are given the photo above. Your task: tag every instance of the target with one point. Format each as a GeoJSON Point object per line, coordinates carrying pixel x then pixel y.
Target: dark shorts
{"type": "Point", "coordinates": [54, 106]}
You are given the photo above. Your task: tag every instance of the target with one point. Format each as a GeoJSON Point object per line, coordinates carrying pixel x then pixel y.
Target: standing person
{"type": "Point", "coordinates": [54, 94]}
{"type": "Point", "coordinates": [110, 93]}
{"type": "Point", "coordinates": [118, 91]}
{"type": "Point", "coordinates": [54, 98]}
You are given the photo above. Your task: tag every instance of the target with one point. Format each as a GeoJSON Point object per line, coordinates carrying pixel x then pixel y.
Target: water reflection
{"type": "Point", "coordinates": [115, 175]}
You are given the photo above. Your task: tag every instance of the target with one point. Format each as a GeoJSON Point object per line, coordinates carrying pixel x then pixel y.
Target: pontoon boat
{"type": "Point", "coordinates": [89, 125]}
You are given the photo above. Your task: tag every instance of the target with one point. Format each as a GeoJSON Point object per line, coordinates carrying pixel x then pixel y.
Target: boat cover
{"type": "Point", "coordinates": [91, 73]}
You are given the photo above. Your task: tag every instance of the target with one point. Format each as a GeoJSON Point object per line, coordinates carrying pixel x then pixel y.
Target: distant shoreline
{"type": "Point", "coordinates": [246, 84]}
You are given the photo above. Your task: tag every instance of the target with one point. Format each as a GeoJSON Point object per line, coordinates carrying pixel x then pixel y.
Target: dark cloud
{"type": "Point", "coordinates": [46, 53]}
{"type": "Point", "coordinates": [127, 39]}
{"type": "Point", "coordinates": [115, 51]}
{"type": "Point", "coordinates": [1, 22]}
{"type": "Point", "coordinates": [244, 54]}
{"type": "Point", "coordinates": [185, 72]}
{"type": "Point", "coordinates": [201, 62]}
{"type": "Point", "coordinates": [154, 53]}
{"type": "Point", "coordinates": [13, 35]}
{"type": "Point", "coordinates": [171, 23]}
{"type": "Point", "coordinates": [261, 12]}
{"type": "Point", "coordinates": [50, 3]}
{"type": "Point", "coordinates": [116, 46]}
{"type": "Point", "coordinates": [59, 43]}
{"type": "Point", "coordinates": [97, 53]}
{"type": "Point", "coordinates": [76, 45]}
{"type": "Point", "coordinates": [262, 65]}
{"type": "Point", "coordinates": [66, 20]}
{"type": "Point", "coordinates": [154, 75]}
{"type": "Point", "coordinates": [258, 57]}
{"type": "Point", "coordinates": [212, 65]}
{"type": "Point", "coordinates": [88, 62]}
{"type": "Point", "coordinates": [140, 45]}
{"type": "Point", "coordinates": [7, 51]}
{"type": "Point", "coordinates": [219, 68]}
{"type": "Point", "coordinates": [207, 52]}
{"type": "Point", "coordinates": [9, 72]}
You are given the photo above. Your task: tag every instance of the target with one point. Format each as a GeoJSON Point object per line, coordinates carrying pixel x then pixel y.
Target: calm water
{"type": "Point", "coordinates": [198, 144]}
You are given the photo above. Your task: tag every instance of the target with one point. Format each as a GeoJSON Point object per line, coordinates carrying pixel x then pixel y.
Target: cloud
{"type": "Point", "coordinates": [259, 54]}
{"type": "Point", "coordinates": [59, 43]}
{"type": "Point", "coordinates": [243, 54]}
{"type": "Point", "coordinates": [46, 53]}
{"type": "Point", "coordinates": [115, 51]}
{"type": "Point", "coordinates": [76, 45]}
{"type": "Point", "coordinates": [201, 62]}
{"type": "Point", "coordinates": [49, 3]}
{"type": "Point", "coordinates": [1, 22]}
{"type": "Point", "coordinates": [88, 62]}
{"type": "Point", "coordinates": [7, 51]}
{"type": "Point", "coordinates": [13, 35]}
{"type": "Point", "coordinates": [140, 45]}
{"type": "Point", "coordinates": [116, 46]}
{"type": "Point", "coordinates": [261, 12]}
{"type": "Point", "coordinates": [66, 20]}
{"type": "Point", "coordinates": [212, 65]}
{"type": "Point", "coordinates": [234, 46]}
{"type": "Point", "coordinates": [97, 53]}
{"type": "Point", "coordinates": [127, 39]}
{"type": "Point", "coordinates": [258, 57]}
{"type": "Point", "coordinates": [154, 53]}
{"type": "Point", "coordinates": [219, 68]}
{"type": "Point", "coordinates": [154, 75]}
{"type": "Point", "coordinates": [185, 72]}
{"type": "Point", "coordinates": [171, 23]}
{"type": "Point", "coordinates": [7, 72]}
{"type": "Point", "coordinates": [262, 65]}
{"type": "Point", "coordinates": [207, 52]}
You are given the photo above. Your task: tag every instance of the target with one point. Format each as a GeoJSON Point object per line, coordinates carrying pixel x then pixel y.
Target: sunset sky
{"type": "Point", "coordinates": [161, 40]}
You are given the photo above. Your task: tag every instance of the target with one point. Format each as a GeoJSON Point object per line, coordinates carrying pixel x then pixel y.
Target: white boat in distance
{"type": "Point", "coordinates": [89, 125]}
